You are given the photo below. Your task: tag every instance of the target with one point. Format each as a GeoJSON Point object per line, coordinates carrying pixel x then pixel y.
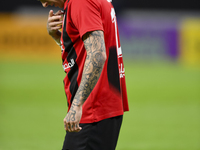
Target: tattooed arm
{"type": "Point", "coordinates": [96, 56]}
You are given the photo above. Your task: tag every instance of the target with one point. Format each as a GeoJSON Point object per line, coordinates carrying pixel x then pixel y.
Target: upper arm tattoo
{"type": "Point", "coordinates": [96, 56]}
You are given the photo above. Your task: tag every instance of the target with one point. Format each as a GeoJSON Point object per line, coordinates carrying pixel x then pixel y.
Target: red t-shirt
{"type": "Point", "coordinates": [109, 97]}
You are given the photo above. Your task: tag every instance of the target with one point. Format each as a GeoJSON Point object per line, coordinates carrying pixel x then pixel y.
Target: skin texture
{"type": "Point", "coordinates": [96, 56]}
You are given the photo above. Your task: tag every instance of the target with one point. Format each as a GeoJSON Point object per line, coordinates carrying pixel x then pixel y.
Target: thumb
{"type": "Point", "coordinates": [50, 13]}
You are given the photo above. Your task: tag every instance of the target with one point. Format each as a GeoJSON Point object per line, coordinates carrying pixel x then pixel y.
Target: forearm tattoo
{"type": "Point", "coordinates": [71, 115]}
{"type": "Point", "coordinates": [96, 56]}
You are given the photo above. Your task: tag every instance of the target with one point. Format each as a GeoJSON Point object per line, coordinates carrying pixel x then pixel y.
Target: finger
{"type": "Point", "coordinates": [53, 24]}
{"type": "Point", "coordinates": [50, 13]}
{"type": "Point", "coordinates": [54, 18]}
{"type": "Point", "coordinates": [60, 12]}
{"type": "Point", "coordinates": [65, 125]}
{"type": "Point", "coordinates": [68, 127]}
{"type": "Point", "coordinates": [77, 128]}
{"type": "Point", "coordinates": [72, 127]}
{"type": "Point", "coordinates": [56, 28]}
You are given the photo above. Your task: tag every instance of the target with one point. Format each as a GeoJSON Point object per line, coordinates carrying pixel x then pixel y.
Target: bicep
{"type": "Point", "coordinates": [95, 46]}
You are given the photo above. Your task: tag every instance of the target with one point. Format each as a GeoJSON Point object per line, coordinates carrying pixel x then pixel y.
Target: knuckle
{"type": "Point", "coordinates": [72, 122]}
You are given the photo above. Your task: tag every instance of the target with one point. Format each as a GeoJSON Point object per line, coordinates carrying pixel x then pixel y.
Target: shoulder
{"type": "Point", "coordinates": [84, 3]}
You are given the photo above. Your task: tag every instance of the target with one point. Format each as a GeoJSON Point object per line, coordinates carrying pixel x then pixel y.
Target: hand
{"type": "Point", "coordinates": [54, 22]}
{"type": "Point", "coordinates": [72, 119]}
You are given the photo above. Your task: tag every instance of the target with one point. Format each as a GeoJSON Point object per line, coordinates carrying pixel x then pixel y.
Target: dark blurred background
{"type": "Point", "coordinates": [187, 5]}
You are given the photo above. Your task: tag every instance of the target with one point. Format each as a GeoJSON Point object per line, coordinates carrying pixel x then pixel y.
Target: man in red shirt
{"type": "Point", "coordinates": [95, 76]}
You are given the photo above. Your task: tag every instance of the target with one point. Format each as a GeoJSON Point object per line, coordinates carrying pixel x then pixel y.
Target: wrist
{"type": "Point", "coordinates": [53, 33]}
{"type": "Point", "coordinates": [76, 103]}
{"type": "Point", "coordinates": [56, 36]}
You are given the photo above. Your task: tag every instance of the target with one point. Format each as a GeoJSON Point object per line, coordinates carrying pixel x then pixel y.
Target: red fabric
{"type": "Point", "coordinates": [106, 100]}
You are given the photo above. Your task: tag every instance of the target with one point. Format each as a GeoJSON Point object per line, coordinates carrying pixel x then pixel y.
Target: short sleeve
{"type": "Point", "coordinates": [86, 16]}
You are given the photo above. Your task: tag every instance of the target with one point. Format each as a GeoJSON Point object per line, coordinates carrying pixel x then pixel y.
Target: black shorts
{"type": "Point", "coordinates": [101, 135]}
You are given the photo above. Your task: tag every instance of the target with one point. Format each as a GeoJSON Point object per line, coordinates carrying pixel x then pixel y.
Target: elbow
{"type": "Point", "coordinates": [102, 58]}
{"type": "Point", "coordinates": [99, 59]}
